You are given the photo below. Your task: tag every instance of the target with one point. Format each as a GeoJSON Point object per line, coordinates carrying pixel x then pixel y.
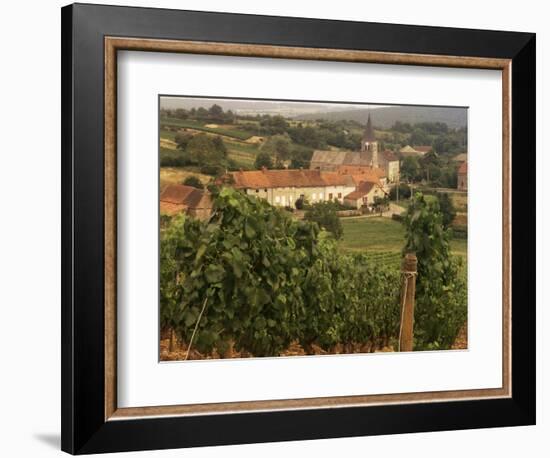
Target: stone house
{"type": "Point", "coordinates": [364, 195]}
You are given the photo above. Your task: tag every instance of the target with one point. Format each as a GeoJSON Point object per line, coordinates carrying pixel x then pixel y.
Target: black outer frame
{"type": "Point", "coordinates": [84, 429]}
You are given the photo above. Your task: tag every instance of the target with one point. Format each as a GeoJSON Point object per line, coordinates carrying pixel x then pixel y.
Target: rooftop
{"type": "Point", "coordinates": [286, 178]}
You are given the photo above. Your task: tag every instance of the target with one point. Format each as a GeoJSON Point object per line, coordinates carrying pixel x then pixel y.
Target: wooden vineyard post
{"type": "Point", "coordinates": [407, 302]}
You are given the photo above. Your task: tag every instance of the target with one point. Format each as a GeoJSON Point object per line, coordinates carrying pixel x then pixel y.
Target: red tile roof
{"type": "Point", "coordinates": [286, 178]}
{"type": "Point", "coordinates": [371, 173]}
{"type": "Point", "coordinates": [185, 197]}
{"type": "Point", "coordinates": [390, 156]}
{"type": "Point", "coordinates": [363, 189]}
{"type": "Point", "coordinates": [423, 148]}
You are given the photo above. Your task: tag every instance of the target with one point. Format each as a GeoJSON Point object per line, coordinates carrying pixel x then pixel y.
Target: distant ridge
{"type": "Point", "coordinates": [385, 117]}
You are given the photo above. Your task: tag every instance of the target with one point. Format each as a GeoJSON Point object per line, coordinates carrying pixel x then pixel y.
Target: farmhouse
{"type": "Point", "coordinates": [462, 177]}
{"type": "Point", "coordinates": [365, 195]}
{"type": "Point", "coordinates": [284, 187]}
{"type": "Point", "coordinates": [179, 198]}
{"type": "Point", "coordinates": [368, 156]}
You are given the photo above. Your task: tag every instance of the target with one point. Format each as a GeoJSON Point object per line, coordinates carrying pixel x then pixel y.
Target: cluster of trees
{"type": "Point", "coordinates": [258, 279]}
{"type": "Point", "coordinates": [214, 114]}
{"type": "Point", "coordinates": [208, 153]}
{"type": "Point", "coordinates": [278, 152]}
{"type": "Point", "coordinates": [438, 135]}
{"type": "Point", "coordinates": [318, 135]}
{"type": "Point", "coordinates": [440, 171]}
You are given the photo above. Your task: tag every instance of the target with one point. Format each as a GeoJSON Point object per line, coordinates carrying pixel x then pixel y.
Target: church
{"type": "Point", "coordinates": [368, 156]}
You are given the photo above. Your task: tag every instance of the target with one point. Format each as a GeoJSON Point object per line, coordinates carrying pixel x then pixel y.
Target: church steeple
{"type": "Point", "coordinates": [368, 135]}
{"type": "Point", "coordinates": [369, 144]}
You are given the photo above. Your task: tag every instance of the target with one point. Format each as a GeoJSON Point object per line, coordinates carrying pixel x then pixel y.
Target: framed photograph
{"type": "Point", "coordinates": [281, 228]}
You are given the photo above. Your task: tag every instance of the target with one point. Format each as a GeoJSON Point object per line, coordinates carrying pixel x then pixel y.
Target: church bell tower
{"type": "Point", "coordinates": [369, 143]}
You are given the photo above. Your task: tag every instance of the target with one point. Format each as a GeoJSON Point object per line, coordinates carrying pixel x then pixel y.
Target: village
{"type": "Point", "coordinates": [363, 183]}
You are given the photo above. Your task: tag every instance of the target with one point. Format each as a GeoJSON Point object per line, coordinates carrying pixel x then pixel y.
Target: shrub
{"type": "Point", "coordinates": [324, 214]}
{"type": "Point", "coordinates": [193, 181]}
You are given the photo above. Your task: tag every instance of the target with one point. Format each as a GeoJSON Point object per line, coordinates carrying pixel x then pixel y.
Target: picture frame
{"type": "Point", "coordinates": [92, 35]}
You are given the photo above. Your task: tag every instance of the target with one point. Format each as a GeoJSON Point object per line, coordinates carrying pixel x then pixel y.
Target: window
{"type": "Point", "coordinates": [257, 190]}
{"type": "Point", "coordinates": [330, 196]}
{"type": "Point", "coordinates": [339, 195]}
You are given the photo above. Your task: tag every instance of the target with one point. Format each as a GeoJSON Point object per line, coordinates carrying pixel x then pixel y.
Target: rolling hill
{"type": "Point", "coordinates": [385, 117]}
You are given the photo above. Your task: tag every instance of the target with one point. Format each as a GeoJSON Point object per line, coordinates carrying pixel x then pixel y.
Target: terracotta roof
{"type": "Point", "coordinates": [390, 156]}
{"type": "Point", "coordinates": [185, 196]}
{"type": "Point", "coordinates": [363, 189]}
{"type": "Point", "coordinates": [286, 178]}
{"type": "Point", "coordinates": [423, 148]}
{"type": "Point", "coordinates": [168, 208]}
{"type": "Point", "coordinates": [463, 169]}
{"type": "Point", "coordinates": [334, 179]}
{"type": "Point", "coordinates": [368, 135]}
{"type": "Point", "coordinates": [360, 174]}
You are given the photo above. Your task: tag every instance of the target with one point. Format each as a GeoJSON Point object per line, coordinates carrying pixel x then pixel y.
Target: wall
{"type": "Point", "coordinates": [30, 229]}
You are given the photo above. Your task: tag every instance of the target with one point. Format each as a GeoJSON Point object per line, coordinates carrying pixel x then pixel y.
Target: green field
{"type": "Point", "coordinates": [382, 239]}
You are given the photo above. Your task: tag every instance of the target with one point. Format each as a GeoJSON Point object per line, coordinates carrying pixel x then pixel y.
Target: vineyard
{"type": "Point", "coordinates": [253, 281]}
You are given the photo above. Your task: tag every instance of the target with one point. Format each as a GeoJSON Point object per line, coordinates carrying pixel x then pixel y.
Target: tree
{"type": "Point", "coordinates": [263, 159]}
{"type": "Point", "coordinates": [447, 209]}
{"type": "Point", "coordinates": [182, 139]}
{"type": "Point", "coordinates": [301, 203]}
{"type": "Point", "coordinates": [193, 181]}
{"type": "Point", "coordinates": [410, 169]}
{"type": "Point", "coordinates": [404, 191]}
{"type": "Point", "coordinates": [431, 164]}
{"type": "Point", "coordinates": [279, 146]}
{"type": "Point", "coordinates": [216, 112]}
{"type": "Point", "coordinates": [300, 157]}
{"type": "Point", "coordinates": [324, 214]}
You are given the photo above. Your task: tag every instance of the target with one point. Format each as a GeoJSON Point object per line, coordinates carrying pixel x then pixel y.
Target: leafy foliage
{"type": "Point", "coordinates": [268, 280]}
{"type": "Point", "coordinates": [193, 181]}
{"type": "Point", "coordinates": [441, 289]}
{"type": "Point", "coordinates": [324, 214]}
{"type": "Point", "coordinates": [263, 159]}
{"type": "Point", "coordinates": [264, 279]}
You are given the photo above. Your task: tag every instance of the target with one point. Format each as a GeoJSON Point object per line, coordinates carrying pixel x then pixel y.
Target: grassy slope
{"type": "Point", "coordinates": [382, 238]}
{"type": "Point", "coordinates": [228, 131]}
{"type": "Point", "coordinates": [242, 153]}
{"type": "Point", "coordinates": [174, 175]}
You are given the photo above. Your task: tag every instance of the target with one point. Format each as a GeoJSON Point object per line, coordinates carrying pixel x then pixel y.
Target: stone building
{"type": "Point", "coordinates": [368, 156]}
